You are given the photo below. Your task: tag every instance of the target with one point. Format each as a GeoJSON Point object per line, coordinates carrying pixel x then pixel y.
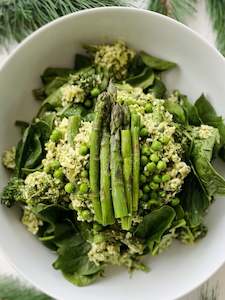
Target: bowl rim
{"type": "Point", "coordinates": [61, 19]}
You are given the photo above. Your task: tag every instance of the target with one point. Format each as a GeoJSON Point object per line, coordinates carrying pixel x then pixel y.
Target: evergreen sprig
{"type": "Point", "coordinates": [18, 18]}
{"type": "Point", "coordinates": [216, 11]}
{"type": "Point", "coordinates": [176, 9]}
{"type": "Point", "coordinates": [13, 289]}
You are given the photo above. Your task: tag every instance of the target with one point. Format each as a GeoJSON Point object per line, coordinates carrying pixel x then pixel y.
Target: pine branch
{"type": "Point", "coordinates": [176, 9]}
{"type": "Point", "coordinates": [13, 289]}
{"type": "Point", "coordinates": [216, 11]}
{"type": "Point", "coordinates": [18, 18]}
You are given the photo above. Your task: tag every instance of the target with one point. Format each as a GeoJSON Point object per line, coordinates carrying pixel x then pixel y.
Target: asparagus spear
{"type": "Point", "coordinates": [73, 128]}
{"type": "Point", "coordinates": [95, 141]}
{"type": "Point", "coordinates": [126, 147]}
{"type": "Point", "coordinates": [105, 191]}
{"type": "Point", "coordinates": [135, 128]}
{"type": "Point", "coordinates": [117, 182]}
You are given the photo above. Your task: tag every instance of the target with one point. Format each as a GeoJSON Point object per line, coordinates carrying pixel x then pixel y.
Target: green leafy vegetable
{"type": "Point", "coordinates": [176, 110]}
{"type": "Point", "coordinates": [156, 223]}
{"type": "Point", "coordinates": [157, 63]}
{"type": "Point", "coordinates": [142, 80]}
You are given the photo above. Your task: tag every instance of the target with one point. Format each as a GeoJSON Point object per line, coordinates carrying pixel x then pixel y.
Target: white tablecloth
{"type": "Point", "coordinates": [201, 24]}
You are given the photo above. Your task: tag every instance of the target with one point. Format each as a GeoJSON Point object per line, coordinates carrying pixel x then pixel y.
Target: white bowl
{"type": "Point", "coordinates": [201, 68]}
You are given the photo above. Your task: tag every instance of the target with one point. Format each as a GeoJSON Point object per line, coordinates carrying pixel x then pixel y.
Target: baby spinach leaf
{"type": "Point", "coordinates": [156, 63]}
{"type": "Point", "coordinates": [56, 83]}
{"type": "Point", "coordinates": [194, 200]}
{"type": "Point", "coordinates": [201, 156]}
{"type": "Point", "coordinates": [82, 61]}
{"type": "Point", "coordinates": [51, 73]}
{"type": "Point", "coordinates": [35, 152]}
{"type": "Point", "coordinates": [22, 125]}
{"type": "Point", "coordinates": [142, 80]}
{"type": "Point", "coordinates": [136, 66]}
{"type": "Point", "coordinates": [156, 223]}
{"type": "Point", "coordinates": [209, 116]}
{"type": "Point", "coordinates": [176, 110]}
{"type": "Point", "coordinates": [74, 262]}
{"type": "Point", "coordinates": [81, 280]}
{"type": "Point", "coordinates": [158, 89]}
{"type": "Point", "coordinates": [190, 110]}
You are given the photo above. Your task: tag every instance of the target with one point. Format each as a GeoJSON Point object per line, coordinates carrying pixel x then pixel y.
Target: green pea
{"type": "Point", "coordinates": [154, 157]}
{"type": "Point", "coordinates": [145, 150]}
{"type": "Point", "coordinates": [69, 188]}
{"type": "Point", "coordinates": [55, 164]}
{"type": "Point", "coordinates": [144, 132]}
{"type": "Point", "coordinates": [140, 194]}
{"type": "Point", "coordinates": [156, 146]}
{"type": "Point", "coordinates": [144, 160]}
{"type": "Point", "coordinates": [175, 201]}
{"type": "Point", "coordinates": [145, 197]}
{"type": "Point", "coordinates": [56, 135]}
{"type": "Point", "coordinates": [151, 167]}
{"type": "Point", "coordinates": [143, 178]}
{"type": "Point", "coordinates": [88, 103]}
{"type": "Point", "coordinates": [83, 188]}
{"type": "Point", "coordinates": [165, 177]}
{"type": "Point", "coordinates": [84, 150]}
{"type": "Point", "coordinates": [97, 227]}
{"type": "Point", "coordinates": [84, 174]}
{"type": "Point", "coordinates": [85, 214]}
{"type": "Point", "coordinates": [165, 139]}
{"type": "Point", "coordinates": [148, 108]}
{"type": "Point", "coordinates": [162, 194]}
{"type": "Point", "coordinates": [95, 92]}
{"type": "Point", "coordinates": [146, 173]}
{"type": "Point", "coordinates": [154, 186]}
{"type": "Point", "coordinates": [154, 195]}
{"type": "Point", "coordinates": [161, 165]}
{"type": "Point", "coordinates": [146, 189]}
{"type": "Point", "coordinates": [58, 173]}
{"type": "Point", "coordinates": [157, 178]}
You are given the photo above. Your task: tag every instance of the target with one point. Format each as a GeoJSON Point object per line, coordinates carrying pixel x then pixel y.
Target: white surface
{"type": "Point", "coordinates": [203, 27]}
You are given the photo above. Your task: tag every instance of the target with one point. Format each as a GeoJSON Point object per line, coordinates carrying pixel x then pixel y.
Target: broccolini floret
{"type": "Point", "coordinates": [13, 192]}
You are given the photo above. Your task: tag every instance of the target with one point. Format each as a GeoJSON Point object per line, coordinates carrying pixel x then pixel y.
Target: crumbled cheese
{"type": "Point", "coordinates": [114, 58]}
{"type": "Point", "coordinates": [8, 158]}
{"type": "Point", "coordinates": [31, 221]}
{"type": "Point", "coordinates": [205, 131]}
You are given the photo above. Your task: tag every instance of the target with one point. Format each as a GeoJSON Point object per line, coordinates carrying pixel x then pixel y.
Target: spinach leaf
{"type": "Point", "coordinates": [35, 152]}
{"type": "Point", "coordinates": [201, 156]}
{"type": "Point", "coordinates": [156, 63]}
{"type": "Point", "coordinates": [156, 223]}
{"type": "Point", "coordinates": [209, 116]}
{"type": "Point", "coordinates": [194, 200]}
{"type": "Point", "coordinates": [136, 65]}
{"type": "Point", "coordinates": [56, 83]}
{"type": "Point", "coordinates": [142, 80]}
{"type": "Point", "coordinates": [82, 61]}
{"type": "Point", "coordinates": [190, 110]}
{"type": "Point", "coordinates": [51, 73]}
{"type": "Point", "coordinates": [158, 89]}
{"type": "Point", "coordinates": [176, 110]}
{"type": "Point", "coordinates": [22, 125]}
{"type": "Point", "coordinates": [73, 260]}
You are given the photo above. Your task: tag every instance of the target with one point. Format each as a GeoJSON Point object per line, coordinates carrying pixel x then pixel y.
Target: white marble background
{"type": "Point", "coordinates": [201, 24]}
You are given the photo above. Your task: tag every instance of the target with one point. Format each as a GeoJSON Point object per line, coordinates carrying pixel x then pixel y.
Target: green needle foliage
{"type": "Point", "coordinates": [216, 11]}
{"type": "Point", "coordinates": [176, 9]}
{"type": "Point", "coordinates": [18, 18]}
{"type": "Point", "coordinates": [13, 289]}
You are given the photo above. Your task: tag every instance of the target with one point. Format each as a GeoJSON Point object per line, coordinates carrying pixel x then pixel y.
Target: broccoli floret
{"type": "Point", "coordinates": [42, 188]}
{"type": "Point", "coordinates": [13, 192]}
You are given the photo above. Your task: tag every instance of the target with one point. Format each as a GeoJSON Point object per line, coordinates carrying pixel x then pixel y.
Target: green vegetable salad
{"type": "Point", "coordinates": [113, 166]}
